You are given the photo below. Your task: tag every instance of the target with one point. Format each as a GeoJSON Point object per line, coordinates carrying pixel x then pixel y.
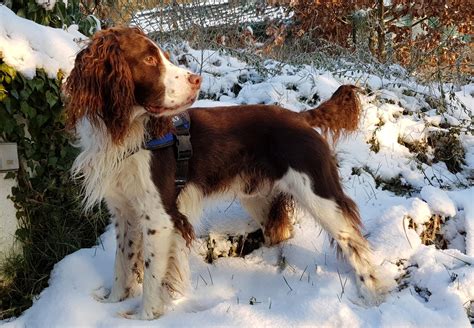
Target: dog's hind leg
{"type": "Point", "coordinates": [273, 213]}
{"type": "Point", "coordinates": [280, 219]}
{"type": "Point", "coordinates": [190, 202]}
{"type": "Point", "coordinates": [338, 215]}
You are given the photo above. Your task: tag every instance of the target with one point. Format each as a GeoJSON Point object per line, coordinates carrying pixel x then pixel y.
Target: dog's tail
{"type": "Point", "coordinates": [338, 115]}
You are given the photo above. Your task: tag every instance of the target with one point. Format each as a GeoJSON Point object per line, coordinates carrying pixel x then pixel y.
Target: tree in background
{"type": "Point", "coordinates": [427, 37]}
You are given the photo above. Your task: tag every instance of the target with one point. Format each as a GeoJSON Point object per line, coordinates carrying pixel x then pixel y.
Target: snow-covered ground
{"type": "Point", "coordinates": [301, 282]}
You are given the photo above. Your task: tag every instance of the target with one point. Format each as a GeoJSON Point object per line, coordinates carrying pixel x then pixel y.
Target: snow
{"type": "Point", "coordinates": [465, 201]}
{"type": "Point", "coordinates": [48, 4]}
{"type": "Point", "coordinates": [438, 200]}
{"type": "Point", "coordinates": [27, 46]}
{"type": "Point", "coordinates": [466, 96]}
{"type": "Point", "coordinates": [312, 271]}
{"type": "Point", "coordinates": [300, 282]}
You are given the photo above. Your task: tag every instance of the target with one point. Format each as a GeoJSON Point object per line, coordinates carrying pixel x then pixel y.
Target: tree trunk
{"type": "Point", "coordinates": [381, 31]}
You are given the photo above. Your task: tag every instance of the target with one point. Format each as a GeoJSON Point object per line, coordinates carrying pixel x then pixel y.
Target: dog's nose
{"type": "Point", "coordinates": [195, 80]}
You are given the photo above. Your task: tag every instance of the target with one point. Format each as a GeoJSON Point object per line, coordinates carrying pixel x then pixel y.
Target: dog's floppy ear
{"type": "Point", "coordinates": [100, 86]}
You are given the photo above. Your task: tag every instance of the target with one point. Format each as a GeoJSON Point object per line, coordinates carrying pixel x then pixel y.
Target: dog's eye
{"type": "Point", "coordinates": [150, 60]}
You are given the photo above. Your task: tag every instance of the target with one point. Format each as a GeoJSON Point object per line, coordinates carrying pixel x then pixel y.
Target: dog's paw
{"type": "Point", "coordinates": [101, 294]}
{"type": "Point", "coordinates": [375, 287]}
{"type": "Point", "coordinates": [141, 314]}
{"type": "Point", "coordinates": [105, 295]}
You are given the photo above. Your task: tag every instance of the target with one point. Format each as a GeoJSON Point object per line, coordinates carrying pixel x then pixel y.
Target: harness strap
{"type": "Point", "coordinates": [163, 142]}
{"type": "Point", "coordinates": [183, 147]}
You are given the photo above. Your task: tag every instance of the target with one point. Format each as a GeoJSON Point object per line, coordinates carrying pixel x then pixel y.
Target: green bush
{"type": "Point", "coordinates": [48, 202]}
{"type": "Point", "coordinates": [51, 222]}
{"type": "Point", "coordinates": [60, 15]}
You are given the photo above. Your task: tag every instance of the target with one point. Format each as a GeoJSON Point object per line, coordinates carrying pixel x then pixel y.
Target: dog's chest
{"type": "Point", "coordinates": [133, 178]}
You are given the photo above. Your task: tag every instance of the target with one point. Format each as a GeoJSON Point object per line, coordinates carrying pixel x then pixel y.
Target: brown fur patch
{"type": "Point", "coordinates": [100, 86]}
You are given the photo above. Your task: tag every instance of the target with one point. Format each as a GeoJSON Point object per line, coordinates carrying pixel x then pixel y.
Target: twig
{"type": "Point", "coordinates": [232, 202]}
{"type": "Point", "coordinates": [203, 279]}
{"type": "Point", "coordinates": [405, 230]}
{"type": "Point", "coordinates": [291, 289]}
{"type": "Point", "coordinates": [210, 276]}
{"type": "Point", "coordinates": [457, 258]}
{"type": "Point", "coordinates": [291, 267]}
{"type": "Point", "coordinates": [303, 273]}
{"type": "Point", "coordinates": [343, 285]}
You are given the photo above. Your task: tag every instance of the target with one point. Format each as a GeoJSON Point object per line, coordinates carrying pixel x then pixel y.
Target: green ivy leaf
{"type": "Point", "coordinates": [4, 68]}
{"type": "Point", "coordinates": [29, 111]}
{"type": "Point", "coordinates": [32, 8]}
{"type": "Point", "coordinates": [37, 84]}
{"type": "Point", "coordinates": [15, 94]}
{"type": "Point", "coordinates": [21, 13]}
{"type": "Point", "coordinates": [22, 234]}
{"type": "Point", "coordinates": [3, 92]}
{"type": "Point", "coordinates": [10, 175]}
{"type": "Point", "coordinates": [25, 93]}
{"type": "Point", "coordinates": [41, 119]}
{"type": "Point", "coordinates": [52, 161]}
{"type": "Point", "coordinates": [51, 98]}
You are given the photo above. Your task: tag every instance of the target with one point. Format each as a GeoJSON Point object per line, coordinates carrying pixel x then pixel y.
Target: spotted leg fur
{"type": "Point", "coordinates": [128, 267]}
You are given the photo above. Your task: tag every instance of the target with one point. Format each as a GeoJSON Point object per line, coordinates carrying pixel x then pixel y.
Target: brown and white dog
{"type": "Point", "coordinates": [122, 90]}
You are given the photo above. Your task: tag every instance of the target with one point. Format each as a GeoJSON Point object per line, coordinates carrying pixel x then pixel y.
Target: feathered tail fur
{"type": "Point", "coordinates": [337, 116]}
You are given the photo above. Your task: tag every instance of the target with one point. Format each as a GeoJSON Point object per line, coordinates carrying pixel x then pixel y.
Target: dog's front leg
{"type": "Point", "coordinates": [128, 267]}
{"type": "Point", "coordinates": [128, 260]}
{"type": "Point", "coordinates": [157, 239]}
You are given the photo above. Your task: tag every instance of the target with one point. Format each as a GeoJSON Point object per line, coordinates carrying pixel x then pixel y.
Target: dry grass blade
{"type": "Point", "coordinates": [291, 289]}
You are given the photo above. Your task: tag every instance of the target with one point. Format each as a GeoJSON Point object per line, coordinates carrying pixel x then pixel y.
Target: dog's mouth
{"type": "Point", "coordinates": [161, 110]}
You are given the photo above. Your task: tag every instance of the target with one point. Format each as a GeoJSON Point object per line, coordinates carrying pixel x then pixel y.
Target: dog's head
{"type": "Point", "coordinates": [122, 73]}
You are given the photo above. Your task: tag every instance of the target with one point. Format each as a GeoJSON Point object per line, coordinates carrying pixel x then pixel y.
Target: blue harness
{"type": "Point", "coordinates": [163, 142]}
{"type": "Point", "coordinates": [183, 148]}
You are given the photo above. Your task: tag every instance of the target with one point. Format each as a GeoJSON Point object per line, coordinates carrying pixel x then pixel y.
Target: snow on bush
{"type": "Point", "coordinates": [46, 4]}
{"type": "Point", "coordinates": [26, 46]}
{"type": "Point", "coordinates": [439, 201]}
